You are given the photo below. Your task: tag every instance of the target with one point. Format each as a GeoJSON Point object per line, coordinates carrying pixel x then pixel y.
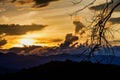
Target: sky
{"type": "Point", "coordinates": [53, 13]}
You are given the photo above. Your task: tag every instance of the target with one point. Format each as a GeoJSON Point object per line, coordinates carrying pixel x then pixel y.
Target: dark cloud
{"type": "Point", "coordinates": [101, 6]}
{"type": "Point", "coordinates": [69, 39]}
{"type": "Point", "coordinates": [78, 26]}
{"type": "Point", "coordinates": [56, 40]}
{"type": "Point", "coordinates": [22, 2]}
{"type": "Point", "coordinates": [42, 3]}
{"type": "Point", "coordinates": [7, 1]}
{"type": "Point", "coordinates": [2, 40]}
{"type": "Point", "coordinates": [13, 1]}
{"type": "Point", "coordinates": [3, 0]}
{"type": "Point", "coordinates": [115, 20]}
{"type": "Point", "coordinates": [36, 3]}
{"type": "Point", "coordinates": [19, 29]}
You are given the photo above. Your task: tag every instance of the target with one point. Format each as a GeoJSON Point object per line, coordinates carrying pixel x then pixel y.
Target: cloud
{"type": "Point", "coordinates": [5, 19]}
{"type": "Point", "coordinates": [2, 40]}
{"type": "Point", "coordinates": [101, 6]}
{"type": "Point", "coordinates": [21, 17]}
{"type": "Point", "coordinates": [19, 29]}
{"type": "Point", "coordinates": [69, 39]}
{"type": "Point", "coordinates": [56, 40]}
{"type": "Point", "coordinates": [35, 3]}
{"type": "Point", "coordinates": [42, 3]}
{"type": "Point", "coordinates": [1, 1]}
{"type": "Point", "coordinates": [78, 26]}
{"type": "Point", "coordinates": [2, 9]}
{"type": "Point", "coordinates": [7, 1]}
{"type": "Point", "coordinates": [115, 20]}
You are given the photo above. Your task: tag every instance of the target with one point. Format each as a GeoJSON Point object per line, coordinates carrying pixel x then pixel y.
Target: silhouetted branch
{"type": "Point", "coordinates": [99, 31]}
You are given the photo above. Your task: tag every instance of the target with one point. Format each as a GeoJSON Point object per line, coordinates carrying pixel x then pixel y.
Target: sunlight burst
{"type": "Point", "coordinates": [27, 41]}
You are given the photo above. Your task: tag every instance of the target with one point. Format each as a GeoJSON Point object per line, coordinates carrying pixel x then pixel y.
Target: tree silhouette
{"type": "Point", "coordinates": [99, 31]}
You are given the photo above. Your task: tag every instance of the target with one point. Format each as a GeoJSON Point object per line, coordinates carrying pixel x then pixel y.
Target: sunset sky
{"type": "Point", "coordinates": [53, 13]}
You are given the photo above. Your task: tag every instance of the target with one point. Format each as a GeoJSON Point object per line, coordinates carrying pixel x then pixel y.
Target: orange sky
{"type": "Point", "coordinates": [55, 15]}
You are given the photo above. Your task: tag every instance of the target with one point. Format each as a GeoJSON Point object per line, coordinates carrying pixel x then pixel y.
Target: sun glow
{"type": "Point", "coordinates": [27, 41]}
{"type": "Point", "coordinates": [34, 38]}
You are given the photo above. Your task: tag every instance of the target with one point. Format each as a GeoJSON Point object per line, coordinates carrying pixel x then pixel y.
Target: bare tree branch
{"type": "Point", "coordinates": [99, 31]}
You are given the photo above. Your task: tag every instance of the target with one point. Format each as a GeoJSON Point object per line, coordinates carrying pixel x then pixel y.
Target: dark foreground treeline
{"type": "Point", "coordinates": [67, 70]}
